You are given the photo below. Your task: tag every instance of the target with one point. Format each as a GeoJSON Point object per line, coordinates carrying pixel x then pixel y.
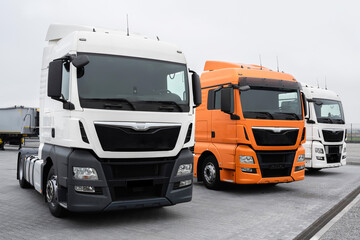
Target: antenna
{"type": "Point", "coordinates": [127, 24]}
{"type": "Point", "coordinates": [325, 83]}
{"type": "Point", "coordinates": [260, 61]}
{"type": "Point", "coordinates": [277, 62]}
{"type": "Point", "coordinates": [317, 80]}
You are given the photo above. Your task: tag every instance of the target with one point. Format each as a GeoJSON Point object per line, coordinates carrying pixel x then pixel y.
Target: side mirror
{"type": "Point", "coordinates": [80, 61]}
{"type": "Point", "coordinates": [304, 104]}
{"type": "Point", "coordinates": [310, 121]}
{"type": "Point", "coordinates": [55, 79]}
{"type": "Point", "coordinates": [196, 88]}
{"type": "Point", "coordinates": [227, 100]}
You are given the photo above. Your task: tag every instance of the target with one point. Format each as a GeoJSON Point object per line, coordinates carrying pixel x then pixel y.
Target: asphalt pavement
{"type": "Point", "coordinates": [236, 212]}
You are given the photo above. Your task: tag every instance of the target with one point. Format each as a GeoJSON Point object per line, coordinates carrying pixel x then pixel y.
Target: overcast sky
{"type": "Point", "coordinates": [313, 39]}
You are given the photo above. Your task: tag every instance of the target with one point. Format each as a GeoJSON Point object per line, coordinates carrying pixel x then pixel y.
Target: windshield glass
{"type": "Point", "coordinates": [127, 83]}
{"type": "Point", "coordinates": [329, 111]}
{"type": "Point", "coordinates": [268, 103]}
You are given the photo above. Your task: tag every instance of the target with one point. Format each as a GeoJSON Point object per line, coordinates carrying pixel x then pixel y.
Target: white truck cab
{"type": "Point", "coordinates": [116, 122]}
{"type": "Point", "coordinates": [325, 145]}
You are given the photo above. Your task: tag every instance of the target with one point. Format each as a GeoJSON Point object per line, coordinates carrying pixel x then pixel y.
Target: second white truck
{"type": "Point", "coordinates": [325, 145]}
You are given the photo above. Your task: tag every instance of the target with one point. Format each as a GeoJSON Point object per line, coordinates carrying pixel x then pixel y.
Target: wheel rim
{"type": "Point", "coordinates": [51, 190]}
{"type": "Point", "coordinates": [210, 173]}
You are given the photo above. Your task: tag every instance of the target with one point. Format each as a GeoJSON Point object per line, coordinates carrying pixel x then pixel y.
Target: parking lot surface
{"type": "Point", "coordinates": [236, 212]}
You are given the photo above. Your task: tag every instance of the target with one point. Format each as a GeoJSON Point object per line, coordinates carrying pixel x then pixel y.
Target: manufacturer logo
{"type": "Point", "coordinates": [139, 126]}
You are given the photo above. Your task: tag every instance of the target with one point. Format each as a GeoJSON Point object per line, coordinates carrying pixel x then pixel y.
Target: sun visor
{"type": "Point", "coordinates": [268, 83]}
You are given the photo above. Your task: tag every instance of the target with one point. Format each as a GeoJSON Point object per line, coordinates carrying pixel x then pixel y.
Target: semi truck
{"type": "Point", "coordinates": [16, 123]}
{"type": "Point", "coordinates": [325, 145]}
{"type": "Point", "coordinates": [116, 122]}
{"type": "Point", "coordinates": [251, 129]}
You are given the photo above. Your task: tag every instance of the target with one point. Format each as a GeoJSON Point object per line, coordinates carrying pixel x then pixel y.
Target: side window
{"type": "Point", "coordinates": [214, 99]}
{"type": "Point", "coordinates": [176, 84]}
{"type": "Point", "coordinates": [217, 99]}
{"type": "Point", "coordinates": [65, 80]}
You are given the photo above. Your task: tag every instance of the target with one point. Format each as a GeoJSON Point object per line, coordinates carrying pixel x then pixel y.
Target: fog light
{"type": "Point", "coordinates": [301, 158]}
{"type": "Point", "coordinates": [320, 158]}
{"type": "Point", "coordinates": [185, 183]}
{"type": "Point", "coordinates": [85, 173]}
{"type": "Point", "coordinates": [246, 159]}
{"type": "Point", "coordinates": [184, 169]}
{"type": "Point", "coordinates": [299, 168]}
{"type": "Point", "coordinates": [344, 156]}
{"type": "Point", "coordinates": [86, 189]}
{"type": "Point", "coordinates": [319, 150]}
{"type": "Point", "coordinates": [248, 170]}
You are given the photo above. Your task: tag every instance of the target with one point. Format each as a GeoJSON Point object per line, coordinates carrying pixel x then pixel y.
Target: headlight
{"type": "Point", "coordinates": [301, 158]}
{"type": "Point", "coordinates": [246, 159]}
{"type": "Point", "coordinates": [184, 169]}
{"type": "Point", "coordinates": [85, 173]}
{"type": "Point", "coordinates": [319, 150]}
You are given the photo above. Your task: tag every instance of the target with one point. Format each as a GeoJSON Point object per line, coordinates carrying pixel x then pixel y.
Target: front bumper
{"type": "Point", "coordinates": [327, 162]}
{"type": "Point", "coordinates": [269, 172]}
{"type": "Point", "coordinates": [127, 183]}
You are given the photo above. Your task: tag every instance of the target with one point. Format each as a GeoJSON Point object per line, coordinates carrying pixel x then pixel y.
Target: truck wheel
{"type": "Point", "coordinates": [51, 195]}
{"type": "Point", "coordinates": [210, 173]}
{"type": "Point", "coordinates": [22, 181]}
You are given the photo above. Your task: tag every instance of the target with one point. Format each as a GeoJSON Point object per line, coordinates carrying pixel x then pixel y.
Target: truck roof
{"type": "Point", "coordinates": [216, 70]}
{"type": "Point", "coordinates": [73, 38]}
{"type": "Point", "coordinates": [312, 92]}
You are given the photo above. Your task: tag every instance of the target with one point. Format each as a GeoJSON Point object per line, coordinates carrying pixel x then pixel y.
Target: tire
{"type": "Point", "coordinates": [51, 195]}
{"type": "Point", "coordinates": [211, 173]}
{"type": "Point", "coordinates": [22, 181]}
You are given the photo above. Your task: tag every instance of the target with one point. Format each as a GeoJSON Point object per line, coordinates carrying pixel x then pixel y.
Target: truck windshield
{"type": "Point", "coordinates": [136, 84]}
{"type": "Point", "coordinates": [329, 111]}
{"type": "Point", "coordinates": [269, 103]}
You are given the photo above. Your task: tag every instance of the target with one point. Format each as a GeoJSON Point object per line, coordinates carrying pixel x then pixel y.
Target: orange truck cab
{"type": "Point", "coordinates": [250, 127]}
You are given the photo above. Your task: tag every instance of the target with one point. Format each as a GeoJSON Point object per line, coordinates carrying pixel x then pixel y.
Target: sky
{"type": "Point", "coordinates": [313, 40]}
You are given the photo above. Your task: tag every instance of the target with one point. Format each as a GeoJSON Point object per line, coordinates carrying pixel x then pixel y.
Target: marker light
{"type": "Point", "coordinates": [246, 159]}
{"type": "Point", "coordinates": [85, 173]}
{"type": "Point", "coordinates": [184, 169]}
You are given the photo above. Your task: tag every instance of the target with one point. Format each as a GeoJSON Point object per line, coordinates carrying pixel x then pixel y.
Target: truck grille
{"type": "Point", "coordinates": [333, 153]}
{"type": "Point", "coordinates": [275, 136]}
{"type": "Point", "coordinates": [275, 163]}
{"type": "Point", "coordinates": [138, 178]}
{"type": "Point", "coordinates": [333, 135]}
{"type": "Point", "coordinates": [119, 138]}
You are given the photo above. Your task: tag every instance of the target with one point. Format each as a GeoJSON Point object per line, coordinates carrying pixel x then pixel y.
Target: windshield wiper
{"type": "Point", "coordinates": [322, 119]}
{"type": "Point", "coordinates": [289, 114]}
{"type": "Point", "coordinates": [264, 113]}
{"type": "Point", "coordinates": [339, 121]}
{"type": "Point", "coordinates": [166, 103]}
{"type": "Point", "coordinates": [112, 99]}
